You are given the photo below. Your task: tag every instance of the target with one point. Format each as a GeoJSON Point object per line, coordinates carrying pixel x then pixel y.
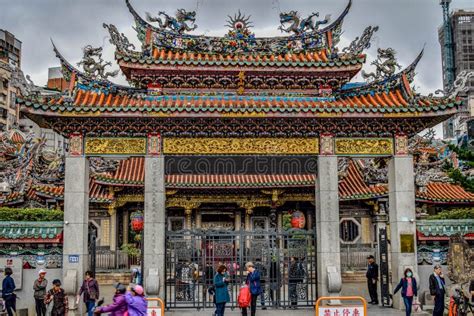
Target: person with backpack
{"type": "Point", "coordinates": [90, 289]}
{"type": "Point", "coordinates": [137, 305]}
{"type": "Point", "coordinates": [296, 276]}
{"type": "Point", "coordinates": [119, 305]}
{"type": "Point", "coordinates": [409, 290]}
{"type": "Point", "coordinates": [221, 282]}
{"type": "Point", "coordinates": [254, 286]}
{"type": "Point", "coordinates": [59, 299]}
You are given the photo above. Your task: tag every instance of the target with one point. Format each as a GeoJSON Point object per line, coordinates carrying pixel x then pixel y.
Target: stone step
{"type": "Point", "coordinates": [353, 276]}
{"type": "Point", "coordinates": [109, 278]}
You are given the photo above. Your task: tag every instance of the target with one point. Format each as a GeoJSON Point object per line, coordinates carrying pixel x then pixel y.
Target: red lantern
{"type": "Point", "coordinates": [298, 220]}
{"type": "Point", "coordinates": [137, 221]}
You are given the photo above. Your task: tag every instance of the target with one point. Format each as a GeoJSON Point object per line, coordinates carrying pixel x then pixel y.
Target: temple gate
{"type": "Point", "coordinates": [243, 96]}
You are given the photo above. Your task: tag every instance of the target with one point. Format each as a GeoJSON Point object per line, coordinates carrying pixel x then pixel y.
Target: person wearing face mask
{"type": "Point", "coordinates": [409, 289]}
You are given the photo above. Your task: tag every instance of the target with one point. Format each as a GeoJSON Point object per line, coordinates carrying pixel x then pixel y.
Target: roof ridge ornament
{"type": "Point", "coordinates": [358, 45]}
{"type": "Point", "coordinates": [299, 26]}
{"type": "Point", "coordinates": [385, 65]}
{"type": "Point", "coordinates": [461, 84]}
{"type": "Point", "coordinates": [176, 24]}
{"type": "Point", "coordinates": [94, 65]}
{"type": "Point", "coordinates": [118, 39]}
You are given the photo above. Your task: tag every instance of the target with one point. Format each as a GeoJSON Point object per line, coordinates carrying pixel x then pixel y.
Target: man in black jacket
{"type": "Point", "coordinates": [437, 290]}
{"type": "Point", "coordinates": [372, 278]}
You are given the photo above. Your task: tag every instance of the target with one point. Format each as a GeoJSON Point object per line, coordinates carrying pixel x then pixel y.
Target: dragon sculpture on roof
{"type": "Point", "coordinates": [178, 24]}
{"type": "Point", "coordinates": [385, 65]}
{"type": "Point", "coordinates": [299, 25]}
{"type": "Point", "coordinates": [94, 65]}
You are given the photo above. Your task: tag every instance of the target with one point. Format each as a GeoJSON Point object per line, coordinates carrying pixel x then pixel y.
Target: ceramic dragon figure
{"type": "Point", "coordinates": [385, 65]}
{"type": "Point", "coordinates": [118, 39]}
{"type": "Point", "coordinates": [94, 65]}
{"type": "Point", "coordinates": [178, 24]}
{"type": "Point", "coordinates": [360, 43]}
{"type": "Point", "coordinates": [298, 25]}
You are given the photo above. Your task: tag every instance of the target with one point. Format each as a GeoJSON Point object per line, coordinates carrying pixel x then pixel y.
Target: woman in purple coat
{"type": "Point", "coordinates": [119, 305]}
{"type": "Point", "coordinates": [137, 305]}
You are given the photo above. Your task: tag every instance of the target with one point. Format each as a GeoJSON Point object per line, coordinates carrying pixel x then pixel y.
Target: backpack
{"type": "Point", "coordinates": [244, 297]}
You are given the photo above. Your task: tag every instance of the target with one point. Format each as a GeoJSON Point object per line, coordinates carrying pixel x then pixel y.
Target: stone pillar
{"type": "Point", "coordinates": [327, 227]}
{"type": "Point", "coordinates": [125, 226]}
{"type": "Point", "coordinates": [155, 227]}
{"type": "Point", "coordinates": [238, 221]}
{"type": "Point", "coordinates": [248, 212]}
{"type": "Point", "coordinates": [113, 230]}
{"type": "Point", "coordinates": [188, 212]}
{"type": "Point", "coordinates": [76, 222]}
{"type": "Point", "coordinates": [198, 219]}
{"type": "Point", "coordinates": [401, 197]}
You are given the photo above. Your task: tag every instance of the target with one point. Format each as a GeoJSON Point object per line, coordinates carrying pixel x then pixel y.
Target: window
{"type": "Point", "coordinates": [349, 230]}
{"type": "Point", "coordinates": [12, 100]}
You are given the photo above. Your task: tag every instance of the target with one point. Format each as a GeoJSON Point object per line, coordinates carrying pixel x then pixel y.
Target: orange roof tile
{"type": "Point", "coordinates": [445, 192]}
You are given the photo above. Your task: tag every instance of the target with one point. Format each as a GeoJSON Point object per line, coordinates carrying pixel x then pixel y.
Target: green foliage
{"type": "Point", "coordinates": [286, 218]}
{"type": "Point", "coordinates": [463, 153]}
{"type": "Point", "coordinates": [132, 250]}
{"type": "Point", "coordinates": [456, 213]}
{"type": "Point", "coordinates": [459, 178]}
{"type": "Point", "coordinates": [30, 214]}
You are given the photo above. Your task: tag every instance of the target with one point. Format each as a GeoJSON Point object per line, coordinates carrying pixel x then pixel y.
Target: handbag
{"type": "Point", "coordinates": [244, 297]}
{"type": "Point", "coordinates": [92, 294]}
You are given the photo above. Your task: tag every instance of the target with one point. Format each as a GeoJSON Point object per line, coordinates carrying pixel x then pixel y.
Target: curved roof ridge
{"type": "Point", "coordinates": [87, 79]}
{"type": "Point", "coordinates": [141, 21]}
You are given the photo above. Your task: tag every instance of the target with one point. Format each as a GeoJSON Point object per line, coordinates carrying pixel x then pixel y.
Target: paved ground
{"type": "Point", "coordinates": [373, 311]}
{"type": "Point", "coordinates": [348, 289]}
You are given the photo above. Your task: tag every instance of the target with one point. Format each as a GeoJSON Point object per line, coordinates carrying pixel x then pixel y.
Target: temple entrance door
{"type": "Point", "coordinates": [286, 261]}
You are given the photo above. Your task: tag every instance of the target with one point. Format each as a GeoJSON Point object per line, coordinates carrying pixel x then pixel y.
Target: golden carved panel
{"type": "Point", "coordinates": [115, 146]}
{"type": "Point", "coordinates": [251, 146]}
{"type": "Point", "coordinates": [364, 146]}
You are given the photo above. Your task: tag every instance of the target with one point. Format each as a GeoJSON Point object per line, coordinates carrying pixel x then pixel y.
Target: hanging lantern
{"type": "Point", "coordinates": [298, 220]}
{"type": "Point", "coordinates": [137, 221]}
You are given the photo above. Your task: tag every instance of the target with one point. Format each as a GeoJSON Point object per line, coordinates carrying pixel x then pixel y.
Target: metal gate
{"type": "Point", "coordinates": [286, 261]}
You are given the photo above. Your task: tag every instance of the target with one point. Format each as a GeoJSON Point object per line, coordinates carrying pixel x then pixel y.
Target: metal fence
{"type": "Point", "coordinates": [286, 261]}
{"type": "Point", "coordinates": [354, 257]}
{"type": "Point", "coordinates": [106, 260]}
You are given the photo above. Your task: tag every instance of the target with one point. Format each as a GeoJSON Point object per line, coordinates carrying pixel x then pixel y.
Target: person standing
{"type": "Point", "coordinates": [438, 290]}
{"type": "Point", "coordinates": [253, 282]}
{"type": "Point", "coordinates": [137, 305]}
{"type": "Point", "coordinates": [372, 278]}
{"type": "Point", "coordinates": [221, 282]}
{"type": "Point", "coordinates": [90, 290]}
{"type": "Point", "coordinates": [119, 305]}
{"type": "Point", "coordinates": [39, 288]}
{"type": "Point", "coordinates": [295, 276]}
{"type": "Point", "coordinates": [59, 299]}
{"type": "Point", "coordinates": [8, 295]}
{"type": "Point", "coordinates": [409, 290]}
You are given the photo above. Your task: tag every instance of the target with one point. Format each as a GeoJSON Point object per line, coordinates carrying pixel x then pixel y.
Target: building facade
{"type": "Point", "coordinates": [462, 50]}
{"type": "Point", "coordinates": [230, 149]}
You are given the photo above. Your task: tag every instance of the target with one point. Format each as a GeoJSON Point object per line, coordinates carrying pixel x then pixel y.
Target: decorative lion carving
{"type": "Point", "coordinates": [94, 65]}
{"type": "Point", "coordinates": [385, 65]}
{"type": "Point", "coordinates": [176, 24]}
{"type": "Point", "coordinates": [298, 25]}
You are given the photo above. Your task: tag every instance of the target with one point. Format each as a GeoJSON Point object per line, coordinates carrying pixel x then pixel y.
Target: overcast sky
{"type": "Point", "coordinates": [405, 25]}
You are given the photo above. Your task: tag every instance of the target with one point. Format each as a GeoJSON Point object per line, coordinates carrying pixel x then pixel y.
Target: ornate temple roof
{"type": "Point", "coordinates": [31, 232]}
{"type": "Point", "coordinates": [439, 192]}
{"type": "Point", "coordinates": [444, 229]}
{"type": "Point", "coordinates": [171, 33]}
